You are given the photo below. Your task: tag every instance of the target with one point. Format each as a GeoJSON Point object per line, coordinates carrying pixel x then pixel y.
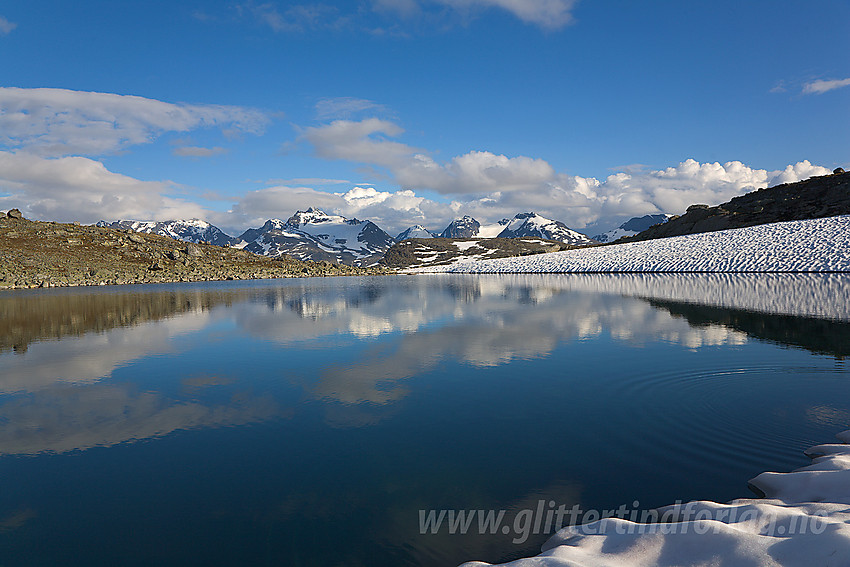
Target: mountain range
{"type": "Point", "coordinates": [315, 235]}
{"type": "Point", "coordinates": [194, 230]}
{"type": "Point", "coordinates": [318, 236]}
{"type": "Point", "coordinates": [632, 226]}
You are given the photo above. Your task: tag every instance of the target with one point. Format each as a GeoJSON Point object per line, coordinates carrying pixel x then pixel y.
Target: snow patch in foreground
{"type": "Point", "coordinates": [804, 519]}
{"type": "Point", "coordinates": [814, 245]}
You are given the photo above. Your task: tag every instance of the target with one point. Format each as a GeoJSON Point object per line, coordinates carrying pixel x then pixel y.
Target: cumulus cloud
{"type": "Point", "coordinates": [80, 189]}
{"type": "Point", "coordinates": [578, 201]}
{"type": "Point", "coordinates": [362, 141]}
{"type": "Point", "coordinates": [6, 26]}
{"type": "Point", "coordinates": [368, 141]}
{"type": "Point", "coordinates": [475, 172]}
{"type": "Point", "coordinates": [59, 122]}
{"type": "Point", "coordinates": [41, 127]}
{"type": "Point", "coordinates": [491, 186]}
{"type": "Point", "coordinates": [821, 86]}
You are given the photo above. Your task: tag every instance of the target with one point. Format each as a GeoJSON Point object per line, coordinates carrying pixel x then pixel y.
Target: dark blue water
{"type": "Point", "coordinates": [307, 422]}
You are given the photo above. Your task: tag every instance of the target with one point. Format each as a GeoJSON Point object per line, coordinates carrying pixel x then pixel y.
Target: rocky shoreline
{"type": "Point", "coordinates": [39, 254]}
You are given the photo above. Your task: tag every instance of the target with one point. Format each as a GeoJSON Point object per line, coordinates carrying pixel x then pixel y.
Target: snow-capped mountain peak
{"type": "Point", "coordinates": [192, 230]}
{"type": "Point", "coordinates": [415, 231]}
{"type": "Point", "coordinates": [316, 235]}
{"type": "Point", "coordinates": [522, 225]}
{"type": "Point", "coordinates": [464, 227]}
{"type": "Point", "coordinates": [314, 216]}
{"type": "Point", "coordinates": [531, 224]}
{"type": "Point", "coordinates": [632, 226]}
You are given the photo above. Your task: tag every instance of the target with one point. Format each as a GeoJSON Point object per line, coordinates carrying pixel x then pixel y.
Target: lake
{"type": "Point", "coordinates": [318, 422]}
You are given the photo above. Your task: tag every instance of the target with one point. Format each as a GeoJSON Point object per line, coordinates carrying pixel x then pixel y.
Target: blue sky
{"type": "Point", "coordinates": [414, 111]}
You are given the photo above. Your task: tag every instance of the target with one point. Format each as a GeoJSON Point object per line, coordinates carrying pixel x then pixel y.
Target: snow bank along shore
{"type": "Point", "coordinates": [815, 245]}
{"type": "Point", "coordinates": [803, 520]}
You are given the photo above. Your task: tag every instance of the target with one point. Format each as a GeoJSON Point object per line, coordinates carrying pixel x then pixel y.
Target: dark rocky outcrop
{"type": "Point", "coordinates": [420, 252]}
{"type": "Point", "coordinates": [465, 227]}
{"type": "Point", "coordinates": [817, 197]}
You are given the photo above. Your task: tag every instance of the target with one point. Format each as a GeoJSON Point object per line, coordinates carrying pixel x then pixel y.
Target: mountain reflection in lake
{"type": "Point", "coordinates": [306, 422]}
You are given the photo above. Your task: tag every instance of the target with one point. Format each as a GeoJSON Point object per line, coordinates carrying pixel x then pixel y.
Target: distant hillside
{"type": "Point", "coordinates": [817, 197]}
{"type": "Point", "coordinates": [422, 252]}
{"type": "Point", "coordinates": [49, 254]}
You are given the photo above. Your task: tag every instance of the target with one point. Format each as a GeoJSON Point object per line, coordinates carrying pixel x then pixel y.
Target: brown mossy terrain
{"type": "Point", "coordinates": [49, 254]}
{"type": "Point", "coordinates": [816, 197]}
{"type": "Point", "coordinates": [416, 252]}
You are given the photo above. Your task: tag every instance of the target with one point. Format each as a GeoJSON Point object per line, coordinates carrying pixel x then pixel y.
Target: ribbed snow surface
{"type": "Point", "coordinates": [815, 245]}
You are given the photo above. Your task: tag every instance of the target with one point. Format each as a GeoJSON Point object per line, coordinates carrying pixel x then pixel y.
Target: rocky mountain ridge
{"type": "Point", "coordinates": [317, 236]}
{"type": "Point", "coordinates": [423, 252]}
{"type": "Point", "coordinates": [816, 197]}
{"type": "Point", "coordinates": [632, 226]}
{"type": "Point", "coordinates": [193, 230]}
{"type": "Point", "coordinates": [415, 231]}
{"type": "Point", "coordinates": [50, 254]}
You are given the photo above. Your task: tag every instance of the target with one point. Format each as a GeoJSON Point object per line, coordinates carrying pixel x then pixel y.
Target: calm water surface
{"type": "Point", "coordinates": [307, 422]}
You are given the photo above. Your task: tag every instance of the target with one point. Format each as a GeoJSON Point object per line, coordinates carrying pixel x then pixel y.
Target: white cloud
{"type": "Point", "coordinates": [368, 142]}
{"type": "Point", "coordinates": [475, 172]}
{"type": "Point", "coordinates": [360, 197]}
{"type": "Point", "coordinates": [44, 125]}
{"type": "Point", "coordinates": [797, 172]}
{"type": "Point", "coordinates": [59, 122]}
{"type": "Point", "coordinates": [491, 186]}
{"type": "Point", "coordinates": [80, 189]}
{"type": "Point", "coordinates": [364, 141]}
{"type": "Point", "coordinates": [821, 86]}
{"type": "Point", "coordinates": [6, 26]}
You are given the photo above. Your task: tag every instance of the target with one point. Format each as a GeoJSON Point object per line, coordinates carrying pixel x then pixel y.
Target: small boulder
{"type": "Point", "coordinates": [134, 237]}
{"type": "Point", "coordinates": [194, 251]}
{"type": "Point", "coordinates": [838, 171]}
{"type": "Point", "coordinates": [2, 215]}
{"type": "Point", "coordinates": [15, 214]}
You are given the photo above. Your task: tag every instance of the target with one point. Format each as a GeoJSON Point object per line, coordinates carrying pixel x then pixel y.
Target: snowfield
{"type": "Point", "coordinates": [815, 245]}
{"type": "Point", "coordinates": [804, 519]}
